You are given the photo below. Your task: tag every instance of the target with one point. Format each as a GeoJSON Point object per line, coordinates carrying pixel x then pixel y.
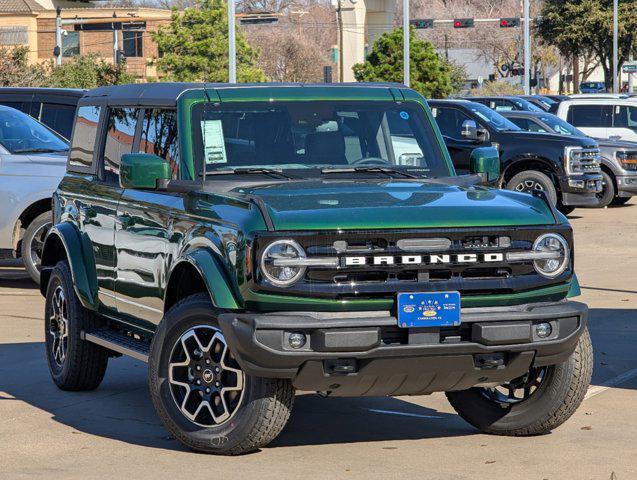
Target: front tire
{"type": "Point", "coordinates": [553, 395]}
{"type": "Point", "coordinates": [75, 364]}
{"type": "Point", "coordinates": [530, 180]}
{"type": "Point", "coordinates": [32, 244]}
{"type": "Point", "coordinates": [606, 196]}
{"type": "Point", "coordinates": [200, 392]}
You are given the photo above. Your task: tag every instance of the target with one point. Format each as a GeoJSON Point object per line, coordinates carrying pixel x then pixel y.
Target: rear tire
{"type": "Point", "coordinates": [200, 392]}
{"type": "Point", "coordinates": [556, 397]}
{"type": "Point", "coordinates": [533, 180]}
{"type": "Point", "coordinates": [75, 364]}
{"type": "Point", "coordinates": [606, 196]}
{"type": "Point", "coordinates": [33, 242]}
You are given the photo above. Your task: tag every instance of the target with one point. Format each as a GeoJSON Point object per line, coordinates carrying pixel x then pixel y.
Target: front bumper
{"type": "Point", "coordinates": [626, 185]}
{"type": "Point", "coordinates": [579, 190]}
{"type": "Point", "coordinates": [365, 353]}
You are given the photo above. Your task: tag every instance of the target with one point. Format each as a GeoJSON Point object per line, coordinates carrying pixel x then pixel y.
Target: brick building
{"type": "Point", "coordinates": [32, 23]}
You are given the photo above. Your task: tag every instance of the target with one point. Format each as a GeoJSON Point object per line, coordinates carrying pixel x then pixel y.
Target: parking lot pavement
{"type": "Point", "coordinates": [113, 432]}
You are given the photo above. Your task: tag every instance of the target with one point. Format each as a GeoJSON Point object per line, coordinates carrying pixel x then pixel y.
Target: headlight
{"type": "Point", "coordinates": [628, 160]}
{"type": "Point", "coordinates": [551, 255]}
{"type": "Point", "coordinates": [281, 262]}
{"type": "Point", "coordinates": [581, 160]}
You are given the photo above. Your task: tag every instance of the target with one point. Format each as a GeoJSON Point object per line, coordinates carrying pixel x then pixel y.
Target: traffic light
{"type": "Point", "coordinates": [463, 23]}
{"type": "Point", "coordinates": [509, 22]}
{"type": "Point", "coordinates": [422, 23]}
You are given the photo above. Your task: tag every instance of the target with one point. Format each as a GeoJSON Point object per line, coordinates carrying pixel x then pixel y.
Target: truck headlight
{"type": "Point", "coordinates": [627, 160]}
{"type": "Point", "coordinates": [551, 255]}
{"type": "Point", "coordinates": [581, 160]}
{"type": "Point", "coordinates": [282, 262]}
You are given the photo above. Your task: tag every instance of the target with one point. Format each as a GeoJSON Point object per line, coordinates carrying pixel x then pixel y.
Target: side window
{"type": "Point", "coordinates": [625, 117]}
{"type": "Point", "coordinates": [450, 121]}
{"type": "Point", "coordinates": [523, 123]}
{"type": "Point", "coordinates": [22, 106]}
{"type": "Point", "coordinates": [58, 117]}
{"type": "Point", "coordinates": [589, 116]}
{"type": "Point", "coordinates": [120, 135]}
{"type": "Point", "coordinates": [535, 127]}
{"type": "Point", "coordinates": [84, 136]}
{"type": "Point", "coordinates": [159, 136]}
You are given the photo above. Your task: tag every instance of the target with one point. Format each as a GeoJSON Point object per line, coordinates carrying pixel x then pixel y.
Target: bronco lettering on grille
{"type": "Point", "coordinates": [461, 258]}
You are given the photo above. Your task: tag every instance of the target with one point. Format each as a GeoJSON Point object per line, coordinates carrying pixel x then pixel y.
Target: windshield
{"type": "Point", "coordinates": [20, 133]}
{"type": "Point", "coordinates": [493, 118]}
{"type": "Point", "coordinates": [316, 135]}
{"type": "Point", "coordinates": [526, 105]}
{"type": "Point", "coordinates": [560, 126]}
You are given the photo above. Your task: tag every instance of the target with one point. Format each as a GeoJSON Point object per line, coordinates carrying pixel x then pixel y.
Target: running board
{"type": "Point", "coordinates": [120, 343]}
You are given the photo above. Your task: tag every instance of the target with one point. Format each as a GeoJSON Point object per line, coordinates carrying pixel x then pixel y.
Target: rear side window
{"type": "Point", "coordinates": [58, 117]}
{"type": "Point", "coordinates": [625, 117]}
{"type": "Point", "coordinates": [120, 136]}
{"type": "Point", "coordinates": [22, 106]}
{"type": "Point", "coordinates": [84, 136]}
{"type": "Point", "coordinates": [159, 136]}
{"type": "Point", "coordinates": [589, 115]}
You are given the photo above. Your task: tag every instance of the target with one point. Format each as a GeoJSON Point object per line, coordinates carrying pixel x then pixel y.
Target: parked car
{"type": "Point", "coordinates": [243, 262]}
{"type": "Point", "coordinates": [54, 107]}
{"type": "Point", "coordinates": [541, 101]}
{"type": "Point", "coordinates": [602, 117]}
{"type": "Point", "coordinates": [592, 87]}
{"type": "Point", "coordinates": [506, 103]}
{"type": "Point", "coordinates": [566, 169]}
{"type": "Point", "coordinates": [618, 158]}
{"type": "Point", "coordinates": [32, 162]}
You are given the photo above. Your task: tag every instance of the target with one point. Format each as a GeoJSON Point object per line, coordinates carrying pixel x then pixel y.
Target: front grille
{"type": "Point", "coordinates": [590, 160]}
{"type": "Point", "coordinates": [372, 281]}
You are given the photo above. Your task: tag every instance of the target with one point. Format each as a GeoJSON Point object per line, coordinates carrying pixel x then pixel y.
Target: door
{"type": "Point", "coordinates": [624, 123]}
{"type": "Point", "coordinates": [144, 228]}
{"type": "Point", "coordinates": [450, 121]}
{"type": "Point", "coordinates": [592, 119]}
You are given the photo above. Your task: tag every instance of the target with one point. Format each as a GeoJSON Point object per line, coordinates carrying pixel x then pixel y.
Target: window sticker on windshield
{"type": "Point", "coordinates": [404, 115]}
{"type": "Point", "coordinates": [213, 145]}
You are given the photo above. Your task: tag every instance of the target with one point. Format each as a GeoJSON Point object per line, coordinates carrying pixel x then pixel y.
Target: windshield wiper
{"type": "Point", "coordinates": [251, 171]}
{"type": "Point", "coordinates": [385, 170]}
{"type": "Point", "coordinates": [40, 150]}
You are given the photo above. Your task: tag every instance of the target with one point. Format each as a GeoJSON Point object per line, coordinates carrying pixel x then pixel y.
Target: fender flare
{"type": "Point", "coordinates": [519, 159]}
{"type": "Point", "coordinates": [214, 276]}
{"type": "Point", "coordinates": [78, 252]}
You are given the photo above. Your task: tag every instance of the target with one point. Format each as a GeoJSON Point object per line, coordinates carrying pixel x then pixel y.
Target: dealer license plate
{"type": "Point", "coordinates": [435, 309]}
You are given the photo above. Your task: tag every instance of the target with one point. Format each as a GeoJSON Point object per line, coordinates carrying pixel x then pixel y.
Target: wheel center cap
{"type": "Point", "coordinates": [208, 376]}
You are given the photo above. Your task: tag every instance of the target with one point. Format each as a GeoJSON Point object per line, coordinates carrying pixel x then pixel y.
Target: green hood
{"type": "Point", "coordinates": [394, 204]}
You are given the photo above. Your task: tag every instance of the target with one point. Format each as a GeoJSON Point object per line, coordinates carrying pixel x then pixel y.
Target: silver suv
{"type": "Point", "coordinates": [32, 163]}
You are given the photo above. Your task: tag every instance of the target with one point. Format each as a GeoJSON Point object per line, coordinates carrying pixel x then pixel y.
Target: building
{"type": "Point", "coordinates": [32, 23]}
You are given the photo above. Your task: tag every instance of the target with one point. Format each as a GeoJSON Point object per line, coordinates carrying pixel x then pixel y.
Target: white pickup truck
{"type": "Point", "coordinates": [32, 162]}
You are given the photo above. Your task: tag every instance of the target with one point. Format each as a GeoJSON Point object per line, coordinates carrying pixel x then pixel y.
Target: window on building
{"type": "Point", "coordinates": [84, 137]}
{"type": "Point", "coordinates": [119, 140]}
{"type": "Point", "coordinates": [159, 136]}
{"type": "Point", "coordinates": [71, 44]}
{"type": "Point", "coordinates": [133, 42]}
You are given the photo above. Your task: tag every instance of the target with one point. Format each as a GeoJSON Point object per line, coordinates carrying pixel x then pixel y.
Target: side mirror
{"type": "Point", "coordinates": [143, 170]}
{"type": "Point", "coordinates": [469, 130]}
{"type": "Point", "coordinates": [485, 162]}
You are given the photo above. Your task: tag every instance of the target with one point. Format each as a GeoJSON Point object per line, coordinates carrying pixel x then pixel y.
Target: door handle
{"type": "Point", "coordinates": [125, 220]}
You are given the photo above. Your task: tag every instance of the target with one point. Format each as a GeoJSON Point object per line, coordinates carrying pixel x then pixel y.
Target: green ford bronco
{"type": "Point", "coordinates": [250, 240]}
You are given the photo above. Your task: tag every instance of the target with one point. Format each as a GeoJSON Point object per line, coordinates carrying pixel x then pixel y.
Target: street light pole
{"type": "Point", "coordinates": [527, 49]}
{"type": "Point", "coordinates": [406, 35]}
{"type": "Point", "coordinates": [615, 46]}
{"type": "Point", "coordinates": [232, 43]}
{"type": "Point", "coordinates": [58, 36]}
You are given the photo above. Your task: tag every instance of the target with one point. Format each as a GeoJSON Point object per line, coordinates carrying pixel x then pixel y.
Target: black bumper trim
{"type": "Point", "coordinates": [258, 341]}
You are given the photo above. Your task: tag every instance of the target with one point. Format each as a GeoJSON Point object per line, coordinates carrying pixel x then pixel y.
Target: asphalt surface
{"type": "Point", "coordinates": [113, 432]}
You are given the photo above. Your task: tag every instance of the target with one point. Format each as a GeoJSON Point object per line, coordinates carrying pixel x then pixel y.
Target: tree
{"type": "Point", "coordinates": [88, 71]}
{"type": "Point", "coordinates": [458, 74]}
{"type": "Point", "coordinates": [15, 70]}
{"type": "Point", "coordinates": [429, 75]}
{"type": "Point", "coordinates": [578, 27]}
{"type": "Point", "coordinates": [194, 46]}
{"type": "Point", "coordinates": [500, 87]}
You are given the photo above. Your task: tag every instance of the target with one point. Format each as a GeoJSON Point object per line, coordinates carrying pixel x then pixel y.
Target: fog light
{"type": "Point", "coordinates": [543, 330]}
{"type": "Point", "coordinates": [297, 340]}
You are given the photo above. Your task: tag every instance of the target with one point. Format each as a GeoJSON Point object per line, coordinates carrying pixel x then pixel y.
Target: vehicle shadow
{"type": "Point", "coordinates": [13, 275]}
{"type": "Point", "coordinates": [121, 408]}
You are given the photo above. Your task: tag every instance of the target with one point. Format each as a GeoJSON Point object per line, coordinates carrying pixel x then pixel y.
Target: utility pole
{"type": "Point", "coordinates": [615, 46]}
{"type": "Point", "coordinates": [58, 36]}
{"type": "Point", "coordinates": [232, 43]}
{"type": "Point", "coordinates": [406, 35]}
{"type": "Point", "coordinates": [115, 41]}
{"type": "Point", "coordinates": [527, 49]}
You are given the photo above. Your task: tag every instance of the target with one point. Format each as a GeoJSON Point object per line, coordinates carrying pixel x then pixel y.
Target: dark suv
{"type": "Point", "coordinates": [250, 240]}
{"type": "Point", "coordinates": [566, 169]}
{"type": "Point", "coordinates": [54, 107]}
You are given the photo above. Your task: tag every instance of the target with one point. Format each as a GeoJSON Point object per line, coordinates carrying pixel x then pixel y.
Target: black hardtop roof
{"type": "Point", "coordinates": [72, 92]}
{"type": "Point", "coordinates": [166, 93]}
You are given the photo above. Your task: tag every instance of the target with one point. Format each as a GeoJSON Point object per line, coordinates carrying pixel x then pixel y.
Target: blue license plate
{"type": "Point", "coordinates": [436, 309]}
